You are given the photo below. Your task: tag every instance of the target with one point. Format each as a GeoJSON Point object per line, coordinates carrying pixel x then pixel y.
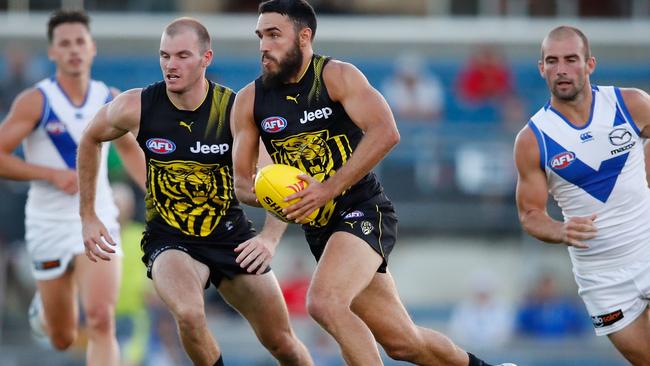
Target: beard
{"type": "Point", "coordinates": [568, 95]}
{"type": "Point", "coordinates": [287, 68]}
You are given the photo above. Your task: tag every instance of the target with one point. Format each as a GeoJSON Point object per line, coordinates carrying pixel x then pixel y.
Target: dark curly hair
{"type": "Point", "coordinates": [66, 16]}
{"type": "Point", "coordinates": [299, 11]}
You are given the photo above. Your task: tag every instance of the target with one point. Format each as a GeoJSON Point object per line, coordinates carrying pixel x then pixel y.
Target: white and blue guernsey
{"type": "Point", "coordinates": [53, 143]}
{"type": "Point", "coordinates": [598, 168]}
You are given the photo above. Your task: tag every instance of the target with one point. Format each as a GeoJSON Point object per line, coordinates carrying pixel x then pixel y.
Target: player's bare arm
{"type": "Point", "coordinates": [637, 102]}
{"type": "Point", "coordinates": [18, 124]}
{"type": "Point", "coordinates": [255, 254]}
{"type": "Point", "coordinates": [110, 123]}
{"type": "Point", "coordinates": [532, 195]}
{"type": "Point", "coordinates": [114, 120]}
{"type": "Point", "coordinates": [246, 145]}
{"type": "Point", "coordinates": [369, 111]}
{"type": "Point", "coordinates": [132, 158]}
{"type": "Point", "coordinates": [131, 155]}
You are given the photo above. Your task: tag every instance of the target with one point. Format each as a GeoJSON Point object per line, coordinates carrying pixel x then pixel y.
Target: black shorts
{"type": "Point", "coordinates": [218, 256]}
{"type": "Point", "coordinates": [373, 220]}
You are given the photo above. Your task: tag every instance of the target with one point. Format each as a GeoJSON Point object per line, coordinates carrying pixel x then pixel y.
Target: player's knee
{"type": "Point", "coordinates": [400, 352]}
{"type": "Point", "coordinates": [63, 339]}
{"type": "Point", "coordinates": [404, 348]}
{"type": "Point", "coordinates": [282, 346]}
{"type": "Point", "coordinates": [322, 309]}
{"type": "Point", "coordinates": [100, 319]}
{"type": "Point", "coordinates": [189, 317]}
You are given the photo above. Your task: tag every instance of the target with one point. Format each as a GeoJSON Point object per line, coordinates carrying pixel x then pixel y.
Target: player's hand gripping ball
{"type": "Point", "coordinates": [275, 182]}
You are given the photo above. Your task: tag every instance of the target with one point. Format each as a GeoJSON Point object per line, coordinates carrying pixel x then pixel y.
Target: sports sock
{"type": "Point", "coordinates": [475, 361]}
{"type": "Point", "coordinates": [219, 361]}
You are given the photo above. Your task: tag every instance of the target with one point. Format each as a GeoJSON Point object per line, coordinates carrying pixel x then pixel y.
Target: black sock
{"type": "Point", "coordinates": [219, 361]}
{"type": "Point", "coordinates": [475, 361]}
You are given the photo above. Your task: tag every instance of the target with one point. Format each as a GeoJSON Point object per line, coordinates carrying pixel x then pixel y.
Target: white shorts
{"type": "Point", "coordinates": [52, 244]}
{"type": "Point", "coordinates": [615, 298]}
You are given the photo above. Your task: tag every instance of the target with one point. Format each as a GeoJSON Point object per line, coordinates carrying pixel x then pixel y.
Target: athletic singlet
{"type": "Point", "coordinates": [53, 143]}
{"type": "Point", "coordinates": [190, 189]}
{"type": "Point", "coordinates": [598, 168]}
{"type": "Point", "coordinates": [301, 126]}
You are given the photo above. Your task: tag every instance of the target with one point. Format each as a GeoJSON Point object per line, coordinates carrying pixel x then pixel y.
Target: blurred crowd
{"type": "Point", "coordinates": [534, 8]}
{"type": "Point", "coordinates": [484, 320]}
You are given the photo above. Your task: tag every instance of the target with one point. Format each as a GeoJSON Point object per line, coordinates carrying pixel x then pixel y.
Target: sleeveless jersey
{"type": "Point", "coordinates": [190, 189]}
{"type": "Point", "coordinates": [599, 168]}
{"type": "Point", "coordinates": [301, 126]}
{"type": "Point", "coordinates": [53, 143]}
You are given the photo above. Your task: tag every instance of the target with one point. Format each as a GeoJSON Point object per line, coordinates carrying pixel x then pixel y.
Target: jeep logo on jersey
{"type": "Point", "coordinates": [562, 160]}
{"type": "Point", "coordinates": [160, 146]}
{"type": "Point", "coordinates": [210, 149]}
{"type": "Point", "coordinates": [274, 124]}
{"type": "Point", "coordinates": [325, 112]}
{"type": "Point", "coordinates": [620, 136]}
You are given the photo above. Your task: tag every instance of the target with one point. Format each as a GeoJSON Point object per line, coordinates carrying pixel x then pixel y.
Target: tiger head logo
{"type": "Point", "coordinates": [308, 151]}
{"type": "Point", "coordinates": [186, 194]}
{"type": "Point", "coordinates": [316, 154]}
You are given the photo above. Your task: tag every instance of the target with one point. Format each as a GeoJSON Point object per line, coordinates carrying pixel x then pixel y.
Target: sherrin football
{"type": "Point", "coordinates": [273, 183]}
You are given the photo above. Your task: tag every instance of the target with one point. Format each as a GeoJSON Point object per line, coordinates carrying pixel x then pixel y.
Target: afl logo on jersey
{"type": "Point", "coordinates": [353, 215]}
{"type": "Point", "coordinates": [562, 160]}
{"type": "Point", "coordinates": [274, 124]}
{"type": "Point", "coordinates": [161, 146]}
{"type": "Point", "coordinates": [55, 128]}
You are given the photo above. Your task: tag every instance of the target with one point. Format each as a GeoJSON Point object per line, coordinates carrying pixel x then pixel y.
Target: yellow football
{"type": "Point", "coordinates": [275, 182]}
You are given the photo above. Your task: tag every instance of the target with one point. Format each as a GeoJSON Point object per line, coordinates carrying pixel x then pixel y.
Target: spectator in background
{"type": "Point", "coordinates": [485, 88]}
{"type": "Point", "coordinates": [164, 347]}
{"type": "Point", "coordinates": [513, 116]}
{"type": "Point", "coordinates": [546, 313]}
{"type": "Point", "coordinates": [414, 93]}
{"type": "Point", "coordinates": [15, 76]}
{"type": "Point", "coordinates": [13, 80]}
{"type": "Point", "coordinates": [483, 320]}
{"type": "Point", "coordinates": [294, 288]}
{"type": "Point", "coordinates": [486, 77]}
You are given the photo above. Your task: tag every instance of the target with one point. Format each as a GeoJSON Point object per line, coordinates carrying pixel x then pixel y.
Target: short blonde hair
{"type": "Point", "coordinates": [183, 23]}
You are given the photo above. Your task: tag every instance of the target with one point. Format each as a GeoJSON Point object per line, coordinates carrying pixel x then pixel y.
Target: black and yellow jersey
{"type": "Point", "coordinates": [190, 189]}
{"type": "Point", "coordinates": [301, 126]}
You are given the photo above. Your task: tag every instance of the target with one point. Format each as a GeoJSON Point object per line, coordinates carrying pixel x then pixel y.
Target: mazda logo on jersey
{"type": "Point", "coordinates": [620, 136]}
{"type": "Point", "coordinates": [160, 146]}
{"type": "Point", "coordinates": [273, 124]}
{"type": "Point", "coordinates": [562, 160]}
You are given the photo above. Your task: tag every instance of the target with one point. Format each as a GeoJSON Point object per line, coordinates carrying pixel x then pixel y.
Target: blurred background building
{"type": "Point", "coordinates": [462, 78]}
